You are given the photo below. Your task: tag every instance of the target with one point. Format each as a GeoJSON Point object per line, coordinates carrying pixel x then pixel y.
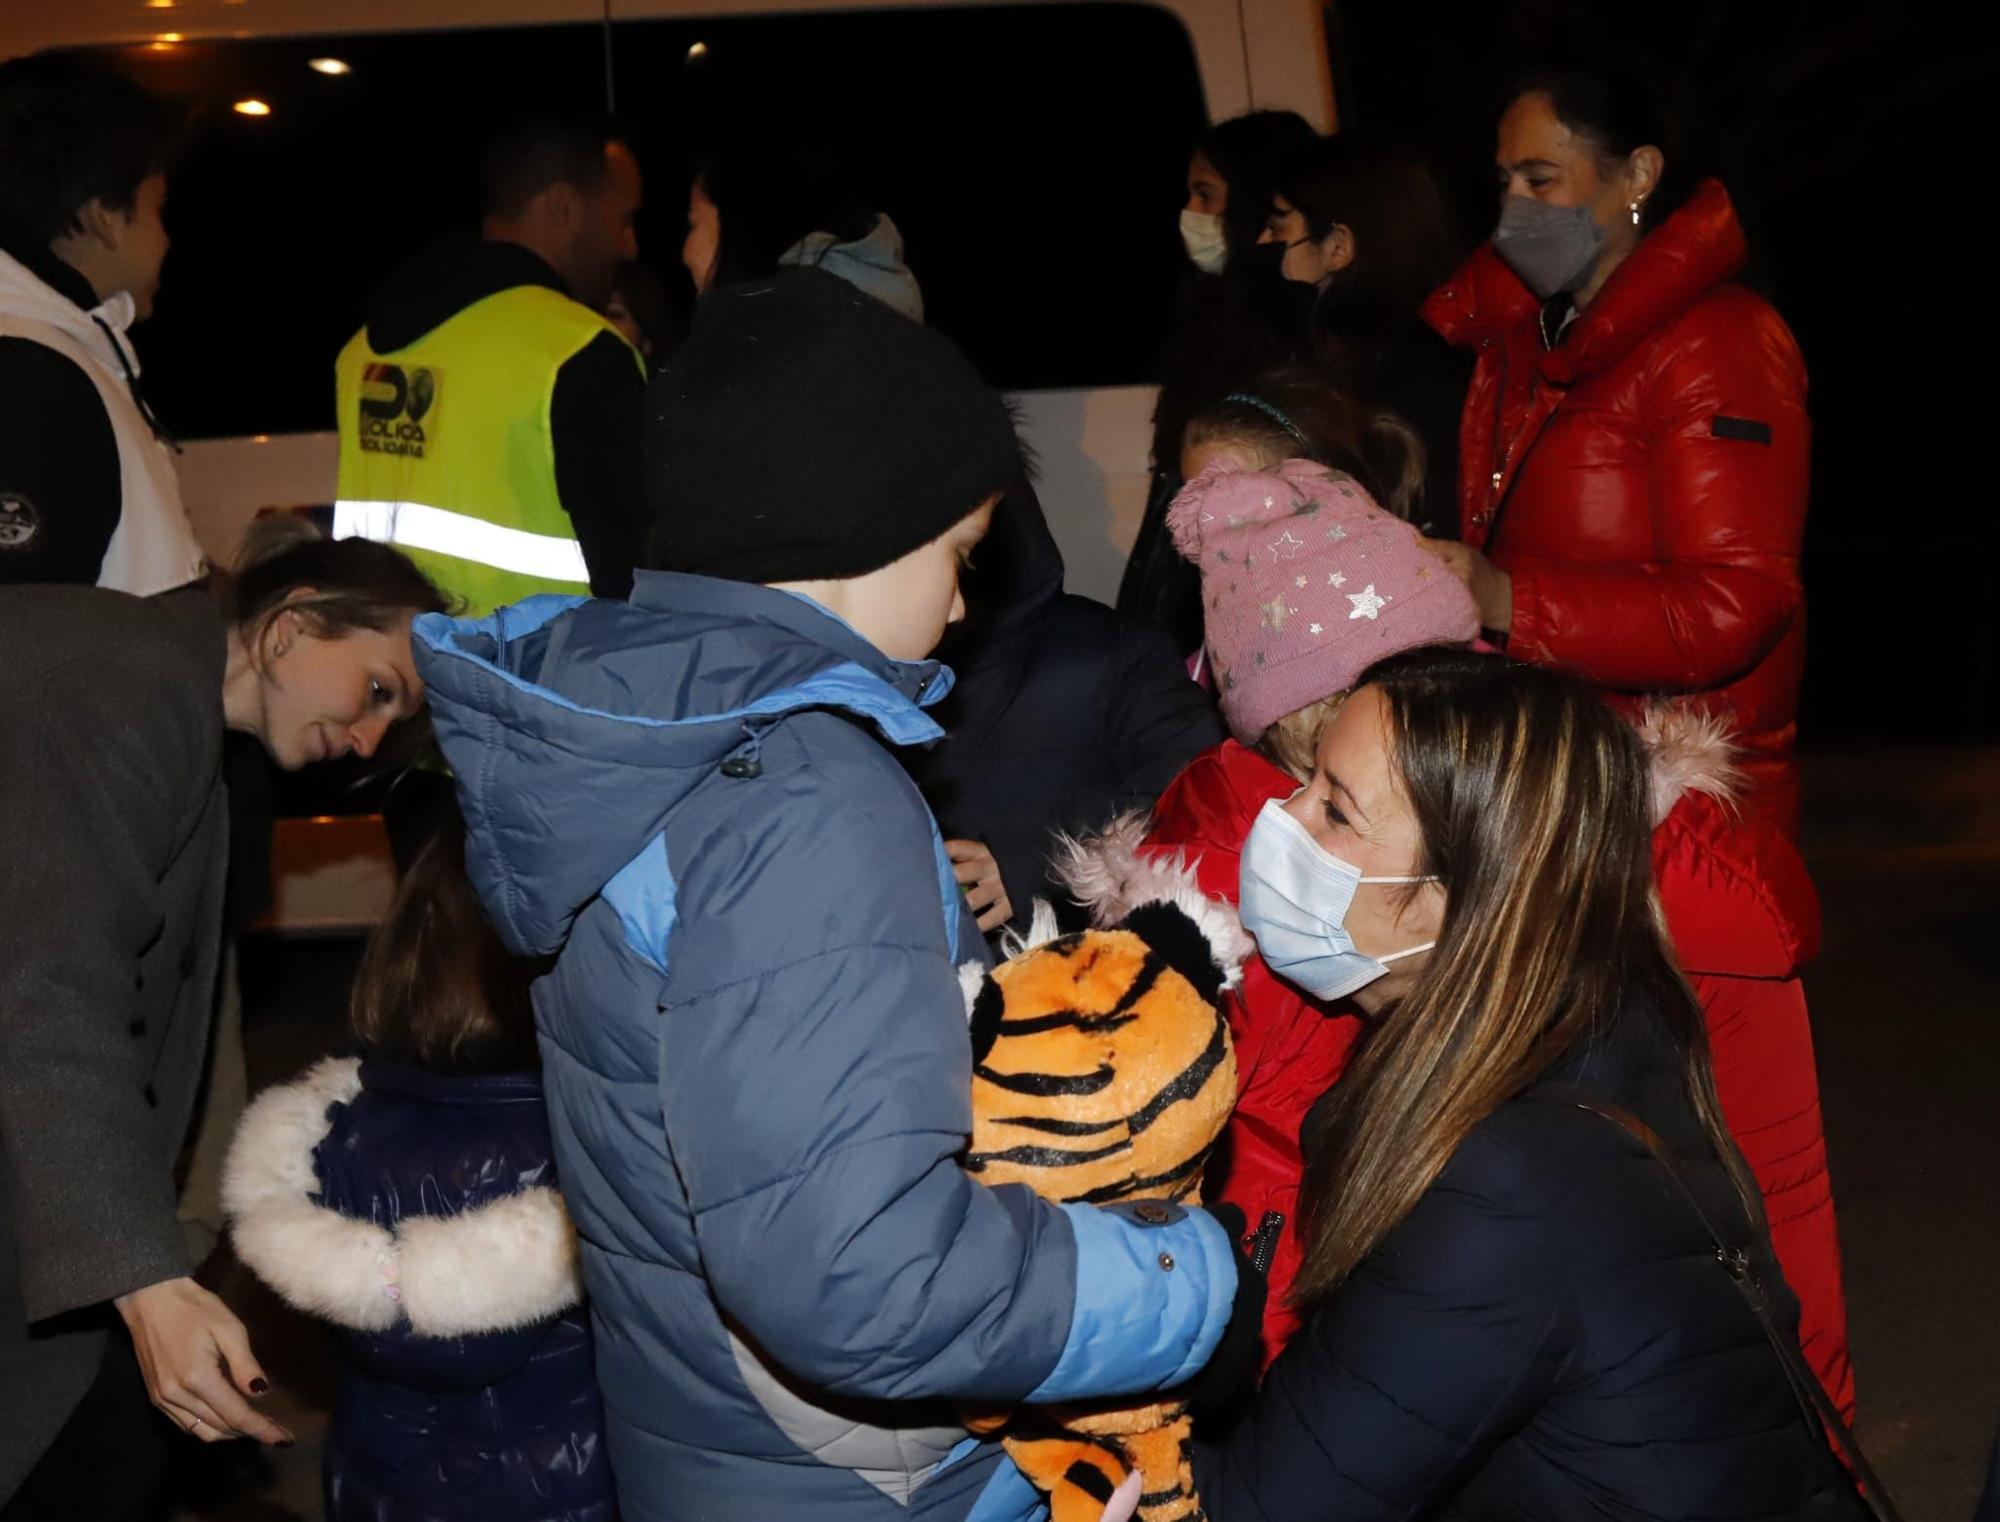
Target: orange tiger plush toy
{"type": "Point", "coordinates": [1103, 1071]}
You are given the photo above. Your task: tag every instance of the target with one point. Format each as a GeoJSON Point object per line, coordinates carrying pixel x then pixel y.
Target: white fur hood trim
{"type": "Point", "coordinates": [1691, 751]}
{"type": "Point", "coordinates": [1111, 876]}
{"type": "Point", "coordinates": [506, 1264]}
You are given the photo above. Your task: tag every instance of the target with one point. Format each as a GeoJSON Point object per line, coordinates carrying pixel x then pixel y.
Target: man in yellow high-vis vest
{"type": "Point", "coordinates": [489, 416]}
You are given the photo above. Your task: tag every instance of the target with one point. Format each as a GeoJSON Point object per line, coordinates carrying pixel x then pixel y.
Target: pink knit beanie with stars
{"type": "Point", "coordinates": [1304, 583]}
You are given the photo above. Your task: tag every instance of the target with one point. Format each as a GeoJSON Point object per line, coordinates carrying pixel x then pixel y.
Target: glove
{"type": "Point", "coordinates": [1231, 1371]}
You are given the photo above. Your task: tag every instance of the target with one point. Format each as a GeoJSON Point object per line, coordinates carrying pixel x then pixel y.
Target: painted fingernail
{"type": "Point", "coordinates": [260, 1387]}
{"type": "Point", "coordinates": [288, 1442]}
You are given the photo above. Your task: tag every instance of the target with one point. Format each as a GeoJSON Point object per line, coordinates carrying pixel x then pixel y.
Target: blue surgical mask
{"type": "Point", "coordinates": [1294, 898]}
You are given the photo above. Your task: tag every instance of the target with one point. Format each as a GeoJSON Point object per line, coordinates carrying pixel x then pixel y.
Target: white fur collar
{"type": "Point", "coordinates": [509, 1263]}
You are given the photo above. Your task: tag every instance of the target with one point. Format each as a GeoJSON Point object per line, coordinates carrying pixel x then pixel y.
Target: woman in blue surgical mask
{"type": "Point", "coordinates": [1632, 507]}
{"type": "Point", "coordinates": [1517, 1306]}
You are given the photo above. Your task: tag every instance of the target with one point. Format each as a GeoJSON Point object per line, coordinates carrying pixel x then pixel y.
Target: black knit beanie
{"type": "Point", "coordinates": [807, 432]}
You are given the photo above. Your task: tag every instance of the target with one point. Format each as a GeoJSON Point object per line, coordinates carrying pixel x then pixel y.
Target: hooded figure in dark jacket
{"type": "Point", "coordinates": [1064, 715]}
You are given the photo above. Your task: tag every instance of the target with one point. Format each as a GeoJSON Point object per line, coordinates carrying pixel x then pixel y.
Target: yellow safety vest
{"type": "Point", "coordinates": [446, 450]}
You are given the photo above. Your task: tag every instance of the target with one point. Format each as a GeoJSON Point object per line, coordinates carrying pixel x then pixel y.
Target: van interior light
{"type": "Point", "coordinates": [159, 5]}
{"type": "Point", "coordinates": [329, 66]}
{"type": "Point", "coordinates": [166, 39]}
{"type": "Point", "coordinates": [698, 52]}
{"type": "Point", "coordinates": [252, 107]}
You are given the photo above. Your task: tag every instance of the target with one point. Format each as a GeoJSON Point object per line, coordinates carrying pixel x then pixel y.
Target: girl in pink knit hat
{"type": "Point", "coordinates": [1305, 580]}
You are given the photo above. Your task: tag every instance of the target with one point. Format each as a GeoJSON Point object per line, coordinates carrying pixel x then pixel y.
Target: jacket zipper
{"type": "Point", "coordinates": [1262, 1244]}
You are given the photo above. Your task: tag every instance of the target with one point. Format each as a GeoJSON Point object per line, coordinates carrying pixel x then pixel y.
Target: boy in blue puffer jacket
{"type": "Point", "coordinates": [409, 1198]}
{"type": "Point", "coordinates": [754, 1045]}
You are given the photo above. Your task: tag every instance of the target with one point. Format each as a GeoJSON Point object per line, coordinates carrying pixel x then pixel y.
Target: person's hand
{"type": "Point", "coordinates": [1492, 589]}
{"type": "Point", "coordinates": [196, 1358]}
{"type": "Point", "coordinates": [979, 874]}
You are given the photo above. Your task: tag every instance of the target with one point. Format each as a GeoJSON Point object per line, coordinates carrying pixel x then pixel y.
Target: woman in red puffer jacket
{"type": "Point", "coordinates": [1632, 500]}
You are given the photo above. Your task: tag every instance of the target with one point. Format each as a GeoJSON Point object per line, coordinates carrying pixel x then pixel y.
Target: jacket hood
{"type": "Point", "coordinates": [39, 286]}
{"type": "Point", "coordinates": [1017, 571]}
{"type": "Point", "coordinates": [872, 264]}
{"type": "Point", "coordinates": [40, 261]}
{"type": "Point", "coordinates": [1683, 259]}
{"type": "Point", "coordinates": [444, 281]}
{"type": "Point", "coordinates": [576, 727]}
{"type": "Point", "coordinates": [509, 1263]}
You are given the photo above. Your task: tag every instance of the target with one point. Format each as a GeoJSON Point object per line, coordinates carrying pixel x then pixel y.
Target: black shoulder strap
{"type": "Point", "coordinates": [1813, 1400]}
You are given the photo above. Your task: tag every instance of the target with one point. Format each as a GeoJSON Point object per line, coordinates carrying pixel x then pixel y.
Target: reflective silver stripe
{"type": "Point", "coordinates": [416, 526]}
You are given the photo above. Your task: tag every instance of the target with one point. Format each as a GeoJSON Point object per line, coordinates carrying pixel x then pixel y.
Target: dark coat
{"type": "Point", "coordinates": [1064, 715]}
{"type": "Point", "coordinates": [436, 1243]}
{"type": "Point", "coordinates": [113, 815]}
{"type": "Point", "coordinates": [1548, 1334]}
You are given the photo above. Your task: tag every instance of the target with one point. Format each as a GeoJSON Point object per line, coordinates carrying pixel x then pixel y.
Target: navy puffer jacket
{"type": "Point", "coordinates": [418, 1214]}
{"type": "Point", "coordinates": [1548, 1334]}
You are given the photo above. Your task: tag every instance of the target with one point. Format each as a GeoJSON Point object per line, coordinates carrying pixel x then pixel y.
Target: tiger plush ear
{"type": "Point", "coordinates": [1203, 945]}
{"type": "Point", "coordinates": [984, 1007]}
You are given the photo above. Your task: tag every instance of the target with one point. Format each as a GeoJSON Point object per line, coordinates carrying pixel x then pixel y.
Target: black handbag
{"type": "Point", "coordinates": [1814, 1403]}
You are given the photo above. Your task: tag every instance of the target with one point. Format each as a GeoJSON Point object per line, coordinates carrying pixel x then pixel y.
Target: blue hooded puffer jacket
{"type": "Point", "coordinates": [758, 1071]}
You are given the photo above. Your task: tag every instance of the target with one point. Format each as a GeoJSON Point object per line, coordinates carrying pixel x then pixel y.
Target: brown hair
{"type": "Point", "coordinates": [349, 584]}
{"type": "Point", "coordinates": [1293, 741]}
{"type": "Point", "coordinates": [1531, 799]}
{"type": "Point", "coordinates": [1294, 414]}
{"type": "Point", "coordinates": [1404, 246]}
{"type": "Point", "coordinates": [435, 986]}
{"type": "Point", "coordinates": [335, 586]}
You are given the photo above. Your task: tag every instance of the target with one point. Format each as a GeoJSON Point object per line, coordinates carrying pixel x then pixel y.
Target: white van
{"type": "Point", "coordinates": [1033, 155]}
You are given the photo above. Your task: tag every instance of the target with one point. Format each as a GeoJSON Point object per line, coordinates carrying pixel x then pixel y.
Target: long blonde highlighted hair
{"type": "Point", "coordinates": [1532, 802]}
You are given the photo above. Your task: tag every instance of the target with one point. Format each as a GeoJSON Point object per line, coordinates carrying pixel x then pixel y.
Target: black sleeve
{"type": "Point", "coordinates": [59, 484]}
{"type": "Point", "coordinates": [95, 785]}
{"type": "Point", "coordinates": [595, 418]}
{"type": "Point", "coordinates": [1156, 720]}
{"type": "Point", "coordinates": [1160, 719]}
{"type": "Point", "coordinates": [1438, 1348]}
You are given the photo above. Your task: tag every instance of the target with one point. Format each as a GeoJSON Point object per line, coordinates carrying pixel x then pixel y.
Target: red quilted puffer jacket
{"type": "Point", "coordinates": [1644, 480]}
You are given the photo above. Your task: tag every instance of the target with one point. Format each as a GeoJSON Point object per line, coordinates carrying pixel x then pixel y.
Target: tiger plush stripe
{"type": "Point", "coordinates": [1103, 1071]}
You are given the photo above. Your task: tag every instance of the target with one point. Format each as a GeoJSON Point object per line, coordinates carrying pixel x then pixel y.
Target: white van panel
{"type": "Point", "coordinates": [1092, 476]}
{"type": "Point", "coordinates": [226, 482]}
